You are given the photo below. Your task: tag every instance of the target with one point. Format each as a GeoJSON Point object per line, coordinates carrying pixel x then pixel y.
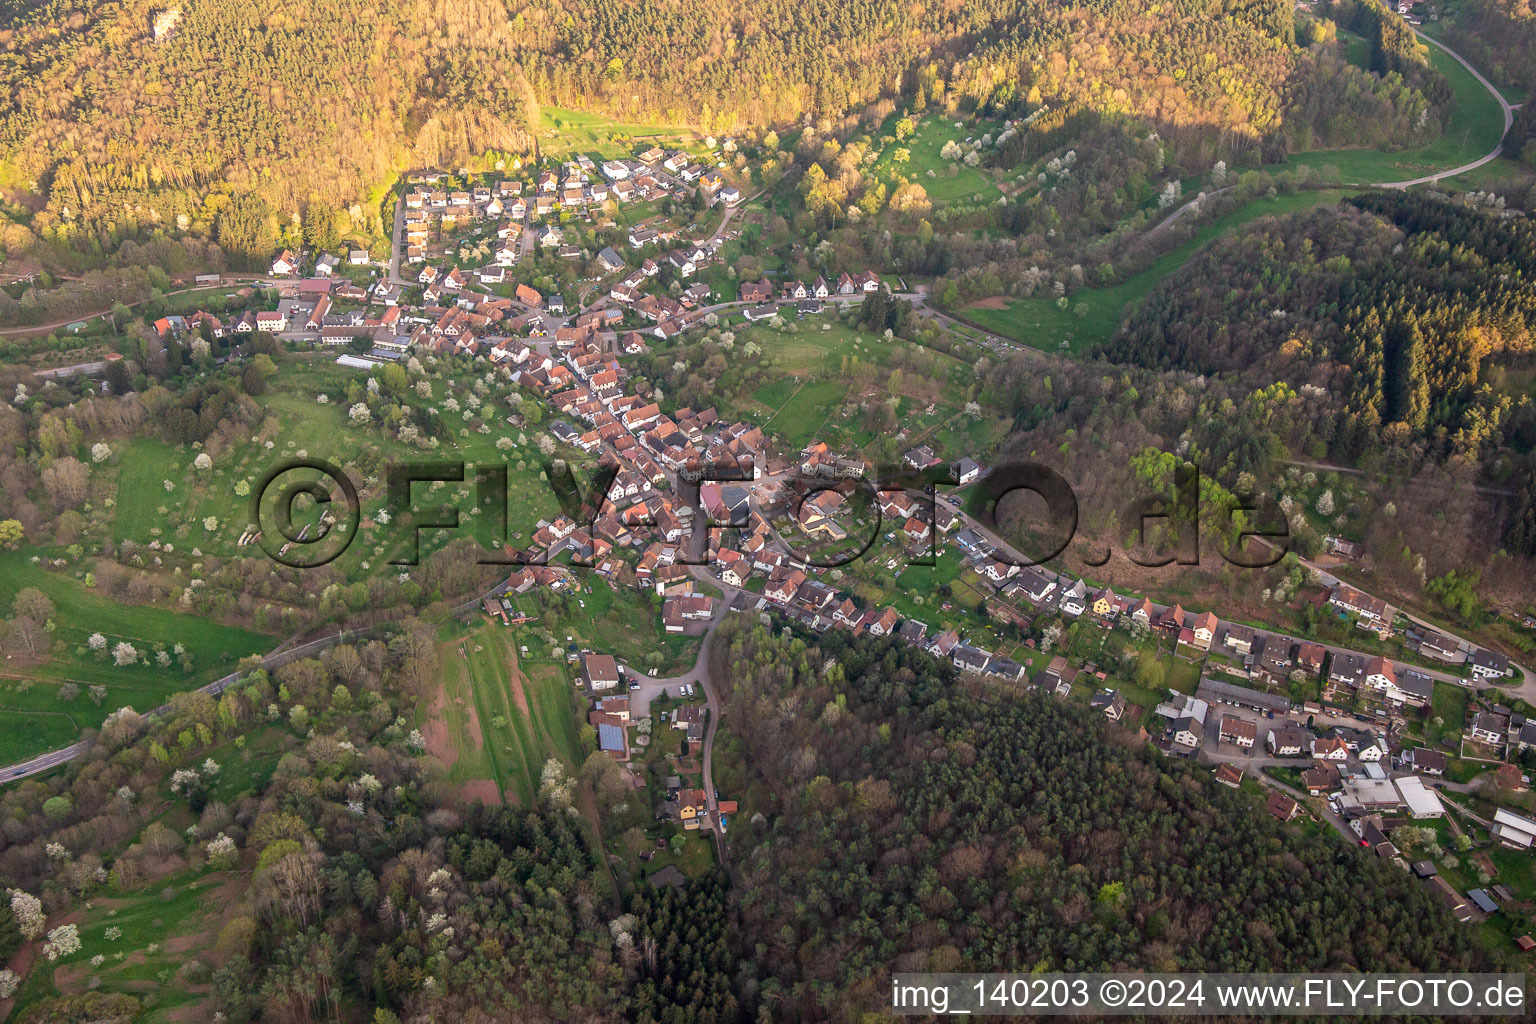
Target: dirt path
{"type": "Point", "coordinates": [487, 792]}
{"type": "Point", "coordinates": [515, 683]}
{"type": "Point", "coordinates": [435, 729]}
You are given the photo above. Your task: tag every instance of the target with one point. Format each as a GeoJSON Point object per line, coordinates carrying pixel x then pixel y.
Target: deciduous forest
{"type": "Point", "coordinates": [244, 118]}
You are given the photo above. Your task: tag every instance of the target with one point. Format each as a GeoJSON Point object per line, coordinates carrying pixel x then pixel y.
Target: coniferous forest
{"type": "Point", "coordinates": [1403, 302]}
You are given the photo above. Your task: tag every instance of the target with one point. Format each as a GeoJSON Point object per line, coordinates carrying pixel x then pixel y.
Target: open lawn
{"type": "Point", "coordinates": [33, 690]}
{"type": "Point", "coordinates": [810, 349]}
{"type": "Point", "coordinates": [695, 860]}
{"type": "Point", "coordinates": [1092, 316]}
{"type": "Point", "coordinates": [1448, 707]}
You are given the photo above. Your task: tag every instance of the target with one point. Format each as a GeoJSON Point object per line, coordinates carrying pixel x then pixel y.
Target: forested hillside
{"type": "Point", "coordinates": [920, 826]}
{"type": "Point", "coordinates": [1401, 304]}
{"type": "Point", "coordinates": [245, 118]}
{"type": "Point", "coordinates": [909, 824]}
{"type": "Point", "coordinates": [1500, 36]}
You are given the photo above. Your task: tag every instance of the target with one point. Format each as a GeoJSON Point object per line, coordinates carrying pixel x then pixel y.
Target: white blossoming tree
{"type": "Point", "coordinates": [124, 654]}
{"type": "Point", "coordinates": [222, 852]}
{"type": "Point", "coordinates": [62, 941]}
{"type": "Point", "coordinates": [204, 461]}
{"type": "Point", "coordinates": [100, 452]}
{"type": "Point", "coordinates": [28, 911]}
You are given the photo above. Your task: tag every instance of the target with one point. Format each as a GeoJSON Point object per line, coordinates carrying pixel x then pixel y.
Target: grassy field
{"type": "Point", "coordinates": [167, 927]}
{"type": "Point", "coordinates": [1448, 706]}
{"type": "Point", "coordinates": [566, 131]}
{"type": "Point", "coordinates": [923, 148]}
{"type": "Point", "coordinates": [1356, 49]}
{"type": "Point", "coordinates": [623, 623]}
{"type": "Point", "coordinates": [1437, 30]}
{"type": "Point", "coordinates": [1476, 124]}
{"type": "Point", "coordinates": [31, 692]}
{"type": "Point", "coordinates": [25, 733]}
{"type": "Point", "coordinates": [1092, 316]}
{"type": "Point", "coordinates": [825, 363]}
{"type": "Point", "coordinates": [1499, 175]}
{"type": "Point", "coordinates": [801, 418]}
{"type": "Point", "coordinates": [810, 349]}
{"type": "Point", "coordinates": [505, 721]}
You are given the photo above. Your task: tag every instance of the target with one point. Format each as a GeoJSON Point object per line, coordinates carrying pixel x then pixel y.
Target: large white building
{"type": "Point", "coordinates": [1512, 830]}
{"type": "Point", "coordinates": [1421, 801]}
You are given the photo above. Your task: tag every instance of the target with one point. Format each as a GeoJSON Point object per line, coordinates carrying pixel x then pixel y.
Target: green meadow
{"type": "Point", "coordinates": [1093, 315]}
{"type": "Point", "coordinates": [31, 692]}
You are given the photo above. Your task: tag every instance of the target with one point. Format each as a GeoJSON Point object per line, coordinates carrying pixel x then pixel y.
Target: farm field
{"type": "Point", "coordinates": [501, 722]}
{"type": "Point", "coordinates": [1041, 323]}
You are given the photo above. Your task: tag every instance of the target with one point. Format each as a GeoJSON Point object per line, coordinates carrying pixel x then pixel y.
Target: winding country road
{"type": "Point", "coordinates": [652, 687]}
{"type": "Point", "coordinates": [1504, 105]}
{"type": "Point", "coordinates": [1509, 119]}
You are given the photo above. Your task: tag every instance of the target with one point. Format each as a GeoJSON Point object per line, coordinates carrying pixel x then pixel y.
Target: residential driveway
{"type": "Point", "coordinates": [652, 687]}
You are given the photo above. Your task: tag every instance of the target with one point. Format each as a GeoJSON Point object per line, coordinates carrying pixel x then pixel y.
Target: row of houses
{"type": "Point", "coordinates": [761, 291]}
{"type": "Point", "coordinates": [287, 264]}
